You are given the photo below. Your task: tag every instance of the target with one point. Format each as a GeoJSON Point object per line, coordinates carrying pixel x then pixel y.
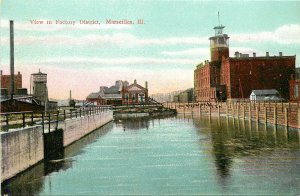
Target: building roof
{"type": "Point", "coordinates": [93, 95]}
{"type": "Point", "coordinates": [112, 90]}
{"type": "Point", "coordinates": [135, 87]}
{"type": "Point", "coordinates": [265, 92]}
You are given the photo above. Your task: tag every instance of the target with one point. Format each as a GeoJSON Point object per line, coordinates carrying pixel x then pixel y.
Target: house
{"type": "Point", "coordinates": [135, 94]}
{"type": "Point", "coordinates": [265, 95]}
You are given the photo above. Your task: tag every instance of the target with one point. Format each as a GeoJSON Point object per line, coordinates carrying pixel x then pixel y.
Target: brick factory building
{"type": "Point", "coordinates": [135, 94]}
{"type": "Point", "coordinates": [5, 82]}
{"type": "Point", "coordinates": [235, 77]}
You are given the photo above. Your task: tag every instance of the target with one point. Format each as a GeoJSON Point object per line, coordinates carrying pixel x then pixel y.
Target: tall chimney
{"type": "Point", "coordinates": [267, 53]}
{"type": "Point", "coordinates": [12, 80]}
{"type": "Point", "coordinates": [146, 85]}
{"type": "Point", "coordinates": [280, 54]}
{"type": "Point", "coordinates": [254, 54]}
{"type": "Point", "coordinates": [70, 95]}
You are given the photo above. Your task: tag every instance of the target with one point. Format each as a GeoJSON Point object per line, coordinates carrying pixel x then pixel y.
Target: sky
{"type": "Point", "coordinates": [163, 51]}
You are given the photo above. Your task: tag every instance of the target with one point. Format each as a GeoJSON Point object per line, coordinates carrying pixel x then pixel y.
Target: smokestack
{"type": "Point", "coordinates": [280, 54]}
{"type": "Point", "coordinates": [70, 95]}
{"type": "Point", "coordinates": [12, 80]}
{"type": "Point", "coordinates": [146, 85]}
{"type": "Point", "coordinates": [267, 53]}
{"type": "Point", "coordinates": [254, 54]}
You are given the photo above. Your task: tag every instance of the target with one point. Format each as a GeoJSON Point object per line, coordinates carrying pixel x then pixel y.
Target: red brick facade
{"type": "Point", "coordinates": [5, 81]}
{"type": "Point", "coordinates": [242, 75]}
{"type": "Point", "coordinates": [230, 78]}
{"type": "Point", "coordinates": [294, 90]}
{"type": "Point", "coordinates": [134, 94]}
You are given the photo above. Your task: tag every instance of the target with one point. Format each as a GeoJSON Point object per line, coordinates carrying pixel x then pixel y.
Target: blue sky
{"type": "Point", "coordinates": [164, 51]}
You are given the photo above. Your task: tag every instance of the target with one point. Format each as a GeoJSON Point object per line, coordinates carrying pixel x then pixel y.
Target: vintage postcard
{"type": "Point", "coordinates": [162, 97]}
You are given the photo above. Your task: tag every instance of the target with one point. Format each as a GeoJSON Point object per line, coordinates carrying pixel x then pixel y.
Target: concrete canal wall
{"type": "Point", "coordinates": [23, 148]}
{"type": "Point", "coordinates": [286, 114]}
{"type": "Point", "coordinates": [74, 129]}
{"type": "Point", "coordinates": [20, 150]}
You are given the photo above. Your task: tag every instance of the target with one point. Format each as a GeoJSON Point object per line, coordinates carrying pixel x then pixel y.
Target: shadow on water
{"type": "Point", "coordinates": [30, 182]}
{"type": "Point", "coordinates": [235, 138]}
{"type": "Point", "coordinates": [139, 123]}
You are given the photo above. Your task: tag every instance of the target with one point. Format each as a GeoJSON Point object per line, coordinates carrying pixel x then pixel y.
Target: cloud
{"type": "Point", "coordinates": [118, 61]}
{"type": "Point", "coordinates": [188, 52]}
{"type": "Point", "coordinates": [286, 34]}
{"type": "Point", "coordinates": [118, 39]}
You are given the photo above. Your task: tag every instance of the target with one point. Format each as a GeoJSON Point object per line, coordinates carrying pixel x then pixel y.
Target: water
{"type": "Point", "coordinates": [175, 156]}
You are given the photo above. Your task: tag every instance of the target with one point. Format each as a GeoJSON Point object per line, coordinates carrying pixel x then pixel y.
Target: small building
{"type": "Point", "coordinates": [96, 99]}
{"type": "Point", "coordinates": [6, 84]}
{"type": "Point", "coordinates": [135, 94]}
{"type": "Point", "coordinates": [185, 96]}
{"type": "Point", "coordinates": [265, 95]}
{"type": "Point", "coordinates": [108, 95]}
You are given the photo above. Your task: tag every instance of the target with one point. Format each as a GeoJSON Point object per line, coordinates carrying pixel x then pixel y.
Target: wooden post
{"type": "Point", "coordinates": [209, 111]}
{"type": "Point", "coordinates": [226, 110]}
{"type": "Point", "coordinates": [43, 122]}
{"type": "Point", "coordinates": [219, 111]}
{"type": "Point", "coordinates": [275, 115]}
{"type": "Point", "coordinates": [57, 119]}
{"type": "Point", "coordinates": [49, 121]}
{"type": "Point", "coordinates": [32, 118]}
{"type": "Point", "coordinates": [249, 113]}
{"type": "Point", "coordinates": [23, 117]}
{"type": "Point", "coordinates": [298, 117]}
{"type": "Point", "coordinates": [257, 114]}
{"type": "Point", "coordinates": [265, 114]}
{"type": "Point", "coordinates": [286, 116]}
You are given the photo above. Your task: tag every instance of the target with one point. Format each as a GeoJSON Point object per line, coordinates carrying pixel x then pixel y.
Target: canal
{"type": "Point", "coordinates": [176, 155]}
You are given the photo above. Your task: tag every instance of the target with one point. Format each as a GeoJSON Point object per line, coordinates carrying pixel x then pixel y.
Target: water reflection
{"type": "Point", "coordinates": [139, 123]}
{"type": "Point", "coordinates": [31, 181]}
{"type": "Point", "coordinates": [233, 138]}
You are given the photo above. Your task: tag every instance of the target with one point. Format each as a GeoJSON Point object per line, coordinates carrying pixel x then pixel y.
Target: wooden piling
{"type": "Point", "coordinates": [275, 115]}
{"type": "Point", "coordinates": [257, 114]}
{"type": "Point", "coordinates": [250, 112]}
{"type": "Point", "coordinates": [298, 117]}
{"type": "Point", "coordinates": [226, 110]}
{"type": "Point", "coordinates": [265, 115]}
{"type": "Point", "coordinates": [286, 116]}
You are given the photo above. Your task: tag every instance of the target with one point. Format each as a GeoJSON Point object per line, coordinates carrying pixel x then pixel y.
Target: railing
{"type": "Point", "coordinates": [14, 120]}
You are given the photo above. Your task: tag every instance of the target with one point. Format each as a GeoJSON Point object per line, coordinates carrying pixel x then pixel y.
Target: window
{"type": "Point", "coordinates": [296, 90]}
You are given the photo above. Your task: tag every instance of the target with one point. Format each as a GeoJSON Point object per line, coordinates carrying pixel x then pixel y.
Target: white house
{"type": "Point", "coordinates": [266, 94]}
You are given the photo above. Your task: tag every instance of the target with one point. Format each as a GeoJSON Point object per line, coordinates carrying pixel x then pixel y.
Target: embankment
{"type": "Point", "coordinates": [24, 147]}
